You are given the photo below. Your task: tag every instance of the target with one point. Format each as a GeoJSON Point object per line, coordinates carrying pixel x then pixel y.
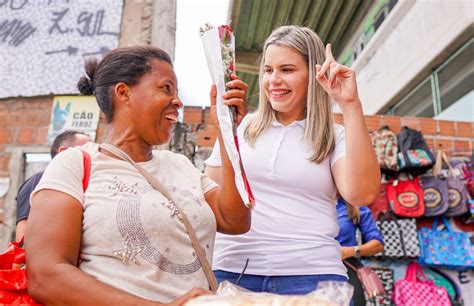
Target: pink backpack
{"type": "Point", "coordinates": [416, 290]}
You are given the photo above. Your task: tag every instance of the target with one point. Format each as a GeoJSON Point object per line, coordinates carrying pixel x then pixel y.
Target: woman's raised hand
{"type": "Point", "coordinates": [234, 96]}
{"type": "Point", "coordinates": [340, 82]}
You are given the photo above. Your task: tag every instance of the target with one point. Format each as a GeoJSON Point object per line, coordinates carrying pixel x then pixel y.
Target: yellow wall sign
{"type": "Point", "coordinates": [73, 113]}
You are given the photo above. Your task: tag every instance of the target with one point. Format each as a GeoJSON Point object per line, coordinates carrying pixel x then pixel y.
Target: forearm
{"type": "Point", "coordinates": [235, 214]}
{"type": "Point", "coordinates": [371, 248]}
{"type": "Point", "coordinates": [361, 166]}
{"type": "Point", "coordinates": [64, 284]}
{"type": "Point", "coordinates": [20, 230]}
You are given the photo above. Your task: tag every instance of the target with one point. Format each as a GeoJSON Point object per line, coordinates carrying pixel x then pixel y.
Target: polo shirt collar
{"type": "Point", "coordinates": [300, 123]}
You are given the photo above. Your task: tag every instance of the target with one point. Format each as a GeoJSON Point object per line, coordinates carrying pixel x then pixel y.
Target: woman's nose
{"type": "Point", "coordinates": [275, 78]}
{"type": "Point", "coordinates": [177, 102]}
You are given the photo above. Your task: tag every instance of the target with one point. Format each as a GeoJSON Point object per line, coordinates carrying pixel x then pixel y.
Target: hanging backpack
{"type": "Point", "coordinates": [435, 190]}
{"type": "Point", "coordinates": [414, 156]}
{"type": "Point", "coordinates": [385, 145]}
{"type": "Point", "coordinates": [406, 198]}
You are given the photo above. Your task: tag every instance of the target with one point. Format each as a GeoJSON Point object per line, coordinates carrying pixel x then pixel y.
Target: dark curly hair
{"type": "Point", "coordinates": [126, 65]}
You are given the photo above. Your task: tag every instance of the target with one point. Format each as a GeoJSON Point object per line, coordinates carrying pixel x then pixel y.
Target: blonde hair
{"type": "Point", "coordinates": [353, 213]}
{"type": "Point", "coordinates": [319, 130]}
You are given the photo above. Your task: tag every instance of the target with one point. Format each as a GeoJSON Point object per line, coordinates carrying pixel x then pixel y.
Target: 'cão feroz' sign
{"type": "Point", "coordinates": [43, 43]}
{"type": "Point", "coordinates": [80, 113]}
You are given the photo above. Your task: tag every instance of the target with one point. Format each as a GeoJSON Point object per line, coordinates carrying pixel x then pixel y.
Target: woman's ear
{"type": "Point", "coordinates": [122, 93]}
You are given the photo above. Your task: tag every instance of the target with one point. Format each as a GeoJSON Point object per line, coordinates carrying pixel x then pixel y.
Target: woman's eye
{"type": "Point", "coordinates": [267, 70]}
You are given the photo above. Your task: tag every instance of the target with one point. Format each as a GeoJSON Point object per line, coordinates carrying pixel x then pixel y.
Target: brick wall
{"type": "Point", "coordinates": [439, 134]}
{"type": "Point", "coordinates": [25, 122]}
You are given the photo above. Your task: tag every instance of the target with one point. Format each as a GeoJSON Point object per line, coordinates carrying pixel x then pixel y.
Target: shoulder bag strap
{"type": "Point", "coordinates": [350, 265]}
{"type": "Point", "coordinates": [448, 163]}
{"type": "Point", "coordinates": [438, 164]}
{"type": "Point", "coordinates": [182, 217]}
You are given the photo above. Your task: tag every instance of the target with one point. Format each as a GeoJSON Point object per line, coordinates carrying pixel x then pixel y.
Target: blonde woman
{"type": "Point", "coordinates": [296, 161]}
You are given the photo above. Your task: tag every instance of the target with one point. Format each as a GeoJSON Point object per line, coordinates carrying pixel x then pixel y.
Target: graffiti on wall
{"type": "Point", "coordinates": [43, 43]}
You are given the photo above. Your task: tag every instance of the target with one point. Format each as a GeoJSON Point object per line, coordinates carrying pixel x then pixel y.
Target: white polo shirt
{"type": "Point", "coordinates": [294, 223]}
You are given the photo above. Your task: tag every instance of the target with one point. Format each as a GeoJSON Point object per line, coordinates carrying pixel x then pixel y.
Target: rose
{"type": "Point", "coordinates": [225, 33]}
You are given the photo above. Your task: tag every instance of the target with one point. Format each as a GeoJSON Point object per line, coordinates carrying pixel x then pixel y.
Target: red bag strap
{"type": "Point", "coordinates": [87, 170]}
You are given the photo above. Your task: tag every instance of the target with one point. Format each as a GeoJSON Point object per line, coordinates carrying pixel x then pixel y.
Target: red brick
{"type": "Point", "coordinates": [206, 137]}
{"type": "Point", "coordinates": [338, 118]}
{"type": "Point", "coordinates": [192, 115]}
{"type": "Point", "coordinates": [411, 122]}
{"type": "Point", "coordinates": [393, 123]}
{"type": "Point", "coordinates": [39, 118]}
{"type": "Point", "coordinates": [465, 129]}
{"type": "Point", "coordinates": [446, 128]}
{"type": "Point", "coordinates": [5, 136]}
{"type": "Point", "coordinates": [40, 103]}
{"type": "Point", "coordinates": [428, 126]}
{"type": "Point", "coordinates": [25, 136]}
{"type": "Point", "coordinates": [430, 143]}
{"type": "Point", "coordinates": [41, 137]}
{"type": "Point", "coordinates": [17, 118]}
{"type": "Point", "coordinates": [373, 123]}
{"type": "Point", "coordinates": [207, 116]}
{"type": "Point", "coordinates": [3, 119]}
{"type": "Point", "coordinates": [461, 146]}
{"type": "Point", "coordinates": [444, 144]}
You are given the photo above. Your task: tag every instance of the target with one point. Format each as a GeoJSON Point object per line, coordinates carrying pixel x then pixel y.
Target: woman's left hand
{"type": "Point", "coordinates": [347, 252]}
{"type": "Point", "coordinates": [236, 95]}
{"type": "Point", "coordinates": [341, 84]}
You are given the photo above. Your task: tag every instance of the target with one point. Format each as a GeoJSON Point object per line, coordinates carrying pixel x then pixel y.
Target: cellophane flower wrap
{"type": "Point", "coordinates": [219, 48]}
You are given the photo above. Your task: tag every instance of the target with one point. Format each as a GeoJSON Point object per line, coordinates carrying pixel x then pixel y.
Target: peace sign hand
{"type": "Point", "coordinates": [341, 84]}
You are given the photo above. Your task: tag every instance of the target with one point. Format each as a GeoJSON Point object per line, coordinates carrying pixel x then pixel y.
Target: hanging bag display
{"type": "Point", "coordinates": [416, 290]}
{"type": "Point", "coordinates": [414, 155]}
{"type": "Point", "coordinates": [385, 146]}
{"type": "Point", "coordinates": [435, 190]}
{"type": "Point", "coordinates": [400, 237]}
{"type": "Point", "coordinates": [445, 248]}
{"type": "Point", "coordinates": [13, 277]}
{"type": "Point", "coordinates": [458, 195]}
{"type": "Point", "coordinates": [406, 198]}
{"type": "Point", "coordinates": [380, 205]}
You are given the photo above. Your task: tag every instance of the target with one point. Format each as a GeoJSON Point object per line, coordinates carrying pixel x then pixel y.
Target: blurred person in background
{"type": "Point", "coordinates": [350, 218]}
{"type": "Point", "coordinates": [63, 141]}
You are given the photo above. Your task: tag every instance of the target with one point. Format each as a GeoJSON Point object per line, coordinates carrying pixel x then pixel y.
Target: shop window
{"type": "Point", "coordinates": [447, 94]}
{"type": "Point", "coordinates": [456, 86]}
{"type": "Point", "coordinates": [419, 103]}
{"type": "Point", "coordinates": [35, 162]}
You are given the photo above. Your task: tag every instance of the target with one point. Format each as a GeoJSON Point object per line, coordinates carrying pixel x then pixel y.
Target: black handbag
{"type": "Point", "coordinates": [400, 237]}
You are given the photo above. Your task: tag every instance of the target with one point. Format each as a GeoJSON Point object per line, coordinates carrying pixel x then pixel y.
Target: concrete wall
{"type": "Point", "coordinates": [415, 38]}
